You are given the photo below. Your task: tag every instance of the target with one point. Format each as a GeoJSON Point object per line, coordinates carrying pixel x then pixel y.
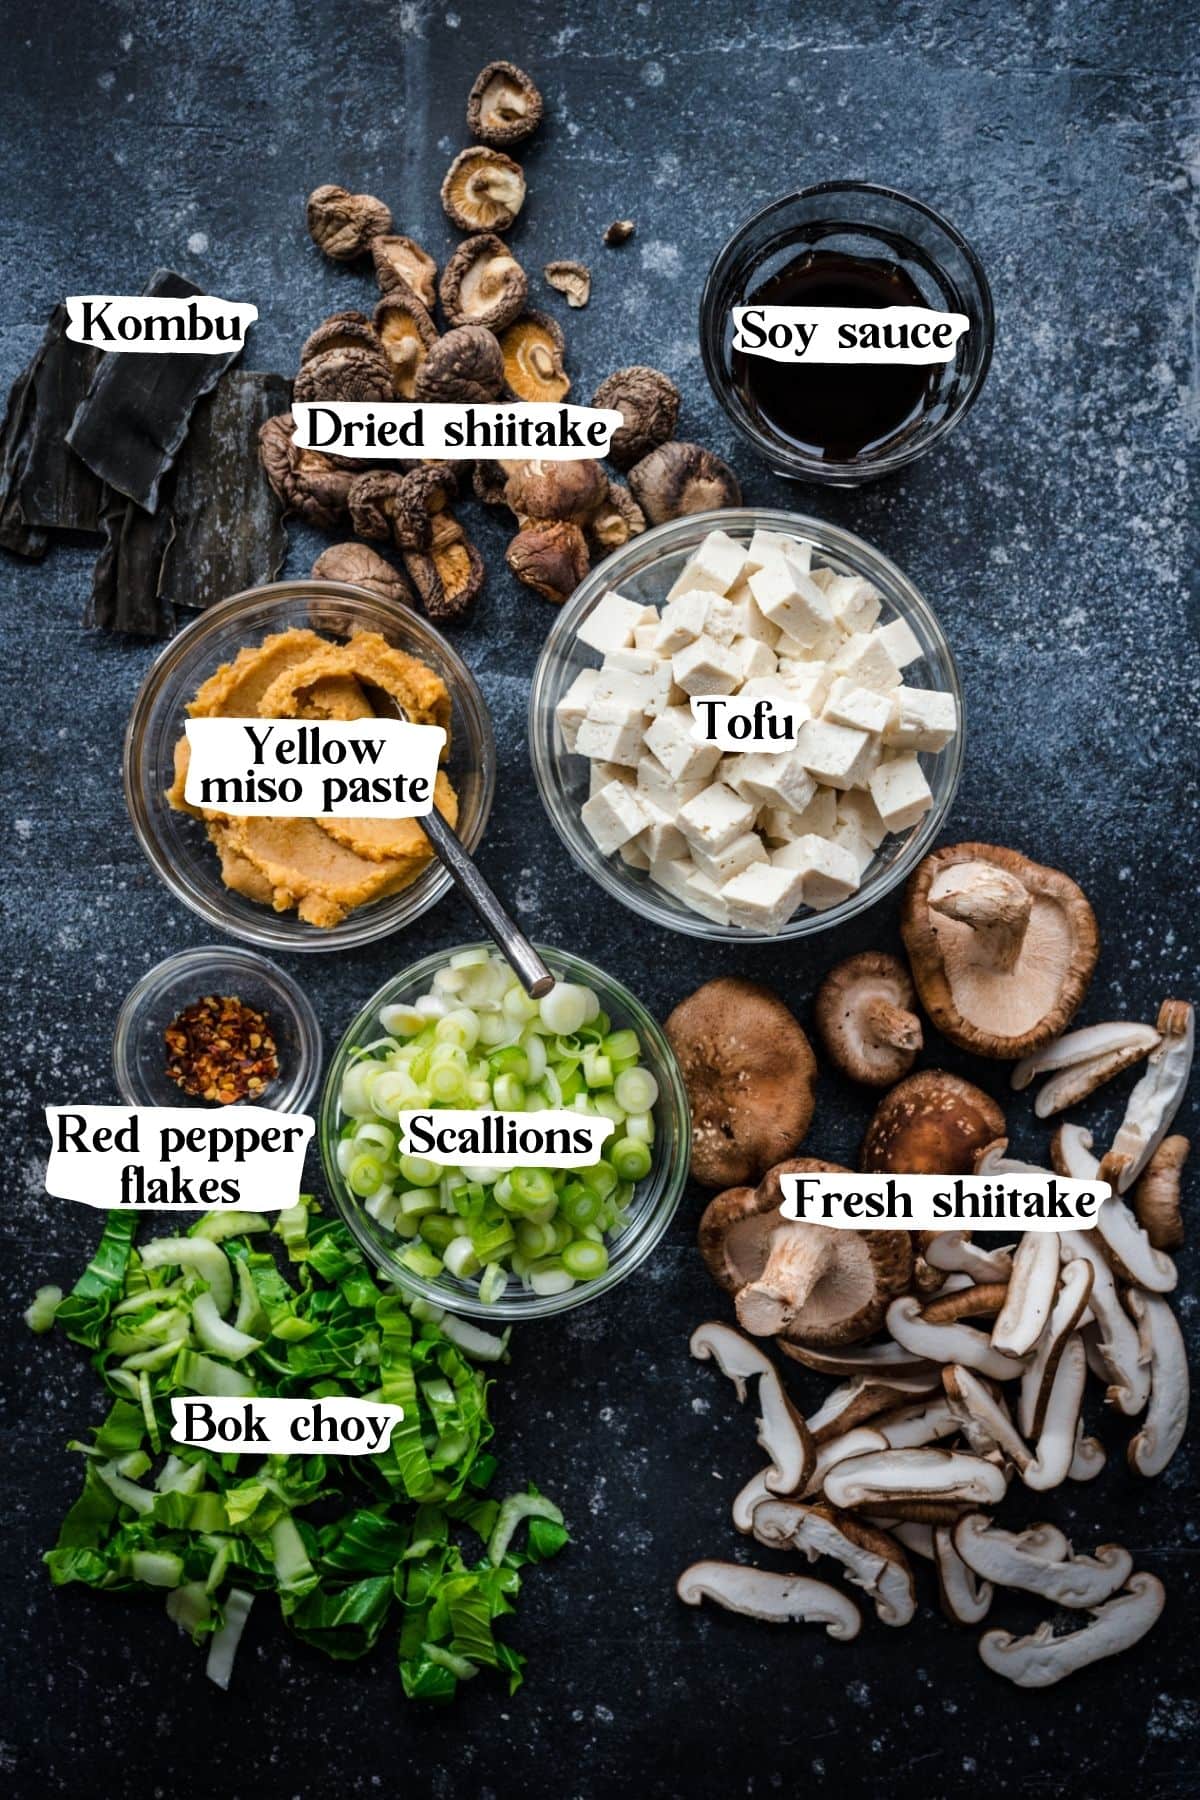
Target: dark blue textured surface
{"type": "Point", "coordinates": [1053, 534]}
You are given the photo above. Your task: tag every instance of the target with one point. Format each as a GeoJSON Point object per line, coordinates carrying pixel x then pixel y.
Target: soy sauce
{"type": "Point", "coordinates": [836, 411]}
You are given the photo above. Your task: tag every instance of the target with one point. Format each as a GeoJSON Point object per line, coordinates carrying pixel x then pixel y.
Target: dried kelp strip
{"type": "Point", "coordinates": [229, 531]}
{"type": "Point", "coordinates": [130, 427]}
{"type": "Point", "coordinates": [58, 492]}
{"type": "Point", "coordinates": [16, 534]}
{"type": "Point", "coordinates": [124, 593]}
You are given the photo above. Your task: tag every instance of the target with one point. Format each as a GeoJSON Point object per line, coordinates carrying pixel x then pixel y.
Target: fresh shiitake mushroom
{"type": "Point", "coordinates": [504, 105]}
{"type": "Point", "coordinates": [1156, 1198]}
{"type": "Point", "coordinates": [344, 225]}
{"type": "Point", "coordinates": [865, 1019]}
{"type": "Point", "coordinates": [402, 260]}
{"type": "Point", "coordinates": [1001, 948]}
{"type": "Point", "coordinates": [932, 1123]}
{"type": "Point", "coordinates": [532, 348]}
{"type": "Point", "coordinates": [782, 1432]}
{"type": "Point", "coordinates": [1046, 1655]}
{"type": "Point", "coordinates": [363, 567]}
{"type": "Point", "coordinates": [1081, 1061]}
{"type": "Point", "coordinates": [749, 1072]}
{"type": "Point", "coordinates": [873, 1561]}
{"type": "Point", "coordinates": [484, 190]}
{"type": "Point", "coordinates": [466, 366]}
{"type": "Point", "coordinates": [679, 478]}
{"type": "Point", "coordinates": [1156, 1098]}
{"type": "Point", "coordinates": [1039, 1564]}
{"type": "Point", "coordinates": [483, 283]}
{"type": "Point", "coordinates": [776, 1599]}
{"type": "Point", "coordinates": [648, 402]}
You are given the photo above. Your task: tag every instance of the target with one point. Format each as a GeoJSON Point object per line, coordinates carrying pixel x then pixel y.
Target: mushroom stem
{"type": "Point", "coordinates": [890, 1024]}
{"type": "Point", "coordinates": [996, 906]}
{"type": "Point", "coordinates": [795, 1263]}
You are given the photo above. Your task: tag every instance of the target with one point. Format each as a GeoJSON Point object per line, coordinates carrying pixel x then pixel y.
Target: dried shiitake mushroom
{"type": "Point", "coordinates": [503, 106]}
{"type": "Point", "coordinates": [484, 190]}
{"type": "Point", "coordinates": [465, 365]}
{"type": "Point", "coordinates": [383, 508]}
{"type": "Point", "coordinates": [574, 279]}
{"type": "Point", "coordinates": [345, 225]}
{"type": "Point", "coordinates": [428, 492]}
{"type": "Point", "coordinates": [307, 483]}
{"type": "Point", "coordinates": [449, 575]}
{"type": "Point", "coordinates": [648, 402]}
{"type": "Point", "coordinates": [348, 330]}
{"type": "Point", "coordinates": [407, 334]}
{"type": "Point", "coordinates": [350, 374]}
{"type": "Point", "coordinates": [682, 478]}
{"type": "Point", "coordinates": [488, 481]}
{"type": "Point", "coordinates": [556, 490]}
{"type": "Point", "coordinates": [365, 568]}
{"type": "Point", "coordinates": [532, 347]}
{"type": "Point", "coordinates": [619, 232]}
{"type": "Point", "coordinates": [401, 259]}
{"type": "Point", "coordinates": [483, 283]}
{"type": "Point", "coordinates": [616, 519]}
{"type": "Point", "coordinates": [550, 556]}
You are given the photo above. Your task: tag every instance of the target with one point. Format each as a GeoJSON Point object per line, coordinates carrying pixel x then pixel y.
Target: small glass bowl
{"type": "Point", "coordinates": [656, 1197]}
{"type": "Point", "coordinates": [643, 569]}
{"type": "Point", "coordinates": [140, 1052]}
{"type": "Point", "coordinates": [176, 843]}
{"type": "Point", "coordinates": [859, 219]}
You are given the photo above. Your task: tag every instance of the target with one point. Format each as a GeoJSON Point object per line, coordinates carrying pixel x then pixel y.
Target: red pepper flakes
{"type": "Point", "coordinates": [219, 1049]}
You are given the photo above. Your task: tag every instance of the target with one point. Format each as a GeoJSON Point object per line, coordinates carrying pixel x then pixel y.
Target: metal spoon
{"type": "Point", "coordinates": [528, 966]}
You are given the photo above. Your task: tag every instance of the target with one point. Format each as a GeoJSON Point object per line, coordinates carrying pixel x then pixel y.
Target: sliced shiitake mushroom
{"type": "Point", "coordinates": [363, 567]}
{"type": "Point", "coordinates": [407, 334]}
{"type": "Point", "coordinates": [484, 190]}
{"type": "Point", "coordinates": [533, 348]}
{"type": "Point", "coordinates": [466, 365]}
{"type": "Point", "coordinates": [682, 478]}
{"type": "Point", "coordinates": [401, 259]}
{"type": "Point", "coordinates": [550, 556]}
{"type": "Point", "coordinates": [504, 105]}
{"type": "Point", "coordinates": [574, 279]}
{"type": "Point", "coordinates": [483, 283]}
{"type": "Point", "coordinates": [648, 402]}
{"type": "Point", "coordinates": [344, 225]}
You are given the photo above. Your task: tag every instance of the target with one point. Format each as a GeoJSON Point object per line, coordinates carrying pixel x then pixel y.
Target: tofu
{"type": "Point", "coordinates": [749, 622]}
{"type": "Point", "coordinates": [864, 660]}
{"type": "Point", "coordinates": [860, 707]}
{"type": "Point", "coordinates": [682, 621]}
{"type": "Point", "coordinates": [827, 872]}
{"type": "Point", "coordinates": [631, 662]}
{"type": "Point", "coordinates": [744, 850]}
{"type": "Point", "coordinates": [617, 739]}
{"type": "Point", "coordinates": [572, 708]}
{"type": "Point", "coordinates": [819, 816]}
{"type": "Point", "coordinates": [716, 565]}
{"type": "Point", "coordinates": [763, 897]}
{"type": "Point", "coordinates": [704, 896]}
{"type": "Point", "coordinates": [859, 810]}
{"type": "Point", "coordinates": [780, 779]}
{"type": "Point", "coordinates": [901, 642]}
{"type": "Point", "coordinates": [847, 834]}
{"type": "Point", "coordinates": [721, 623]}
{"type": "Point", "coordinates": [705, 667]}
{"type": "Point", "coordinates": [619, 692]}
{"type": "Point", "coordinates": [855, 603]}
{"type": "Point", "coordinates": [670, 739]}
{"type": "Point", "coordinates": [835, 754]}
{"type": "Point", "coordinates": [611, 624]}
{"type": "Point", "coordinates": [634, 855]}
{"type": "Point", "coordinates": [754, 658]}
{"type": "Point", "coordinates": [806, 681]}
{"type": "Point", "coordinates": [715, 818]}
{"type": "Point", "coordinates": [900, 791]}
{"type": "Point", "coordinates": [613, 816]}
{"type": "Point", "coordinates": [765, 546]}
{"type": "Point", "coordinates": [601, 773]}
{"type": "Point", "coordinates": [921, 719]}
{"type": "Point", "coordinates": [769, 687]}
{"type": "Point", "coordinates": [668, 795]}
{"type": "Point", "coordinates": [662, 839]}
{"type": "Point", "coordinates": [784, 594]}
{"type": "Point", "coordinates": [644, 636]}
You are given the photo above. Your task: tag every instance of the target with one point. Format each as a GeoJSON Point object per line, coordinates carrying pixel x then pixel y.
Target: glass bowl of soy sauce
{"type": "Point", "coordinates": [845, 244]}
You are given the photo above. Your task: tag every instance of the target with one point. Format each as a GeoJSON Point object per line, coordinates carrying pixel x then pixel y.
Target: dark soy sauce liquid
{"type": "Point", "coordinates": [836, 411]}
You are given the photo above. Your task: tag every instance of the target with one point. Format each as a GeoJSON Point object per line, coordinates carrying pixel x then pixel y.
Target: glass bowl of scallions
{"type": "Point", "coordinates": [457, 1032]}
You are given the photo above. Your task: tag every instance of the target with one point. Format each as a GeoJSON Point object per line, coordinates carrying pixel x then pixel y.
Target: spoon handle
{"type": "Point", "coordinates": [531, 971]}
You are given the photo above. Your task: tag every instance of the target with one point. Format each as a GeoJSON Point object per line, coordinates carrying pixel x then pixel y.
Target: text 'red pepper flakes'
{"type": "Point", "coordinates": [222, 1050]}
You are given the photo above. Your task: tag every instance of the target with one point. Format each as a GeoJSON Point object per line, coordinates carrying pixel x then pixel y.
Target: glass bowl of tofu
{"type": "Point", "coordinates": [747, 724]}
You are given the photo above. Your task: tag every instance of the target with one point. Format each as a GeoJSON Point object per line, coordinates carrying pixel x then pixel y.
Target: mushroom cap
{"type": "Point", "coordinates": [932, 1123]}
{"type": "Point", "coordinates": [307, 483]}
{"type": "Point", "coordinates": [402, 260]}
{"type": "Point", "coordinates": [483, 283]}
{"type": "Point", "coordinates": [363, 567]}
{"type": "Point", "coordinates": [532, 347]}
{"type": "Point", "coordinates": [407, 334]}
{"type": "Point", "coordinates": [749, 1072]}
{"type": "Point", "coordinates": [648, 402]}
{"type": "Point", "coordinates": [348, 330]}
{"type": "Point", "coordinates": [574, 279]}
{"type": "Point", "coordinates": [483, 190]}
{"type": "Point", "coordinates": [464, 366]}
{"type": "Point", "coordinates": [504, 105]}
{"type": "Point", "coordinates": [617, 519]}
{"type": "Point", "coordinates": [350, 373]}
{"type": "Point", "coordinates": [344, 225]}
{"type": "Point", "coordinates": [556, 490]}
{"type": "Point", "coordinates": [682, 478]}
{"type": "Point", "coordinates": [965, 986]}
{"type": "Point", "coordinates": [865, 1018]}
{"type": "Point", "coordinates": [551, 557]}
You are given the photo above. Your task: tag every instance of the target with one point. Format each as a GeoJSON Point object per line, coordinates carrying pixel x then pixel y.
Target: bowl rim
{"type": "Point", "coordinates": [900, 592]}
{"type": "Point", "coordinates": [794, 464]}
{"type": "Point", "coordinates": [665, 1198]}
{"type": "Point", "coordinates": [302, 1089]}
{"type": "Point", "coordinates": [282, 931]}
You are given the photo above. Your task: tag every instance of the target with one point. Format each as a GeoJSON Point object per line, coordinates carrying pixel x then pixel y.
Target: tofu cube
{"type": "Point", "coordinates": [735, 857]}
{"type": "Point", "coordinates": [779, 779]}
{"type": "Point", "coordinates": [618, 693]}
{"type": "Point", "coordinates": [765, 546]}
{"type": "Point", "coordinates": [704, 896]}
{"type": "Point", "coordinates": [749, 622]}
{"type": "Point", "coordinates": [721, 623]}
{"type": "Point", "coordinates": [847, 834]}
{"type": "Point", "coordinates": [819, 816]}
{"type": "Point", "coordinates": [717, 564]}
{"type": "Point", "coordinates": [681, 621]}
{"type": "Point", "coordinates": [785, 595]}
{"type": "Point", "coordinates": [714, 818]}
{"type": "Point", "coordinates": [859, 810]}
{"type": "Point", "coordinates": [827, 871]}
{"type": "Point", "coordinates": [633, 854]}
{"type": "Point", "coordinates": [705, 667]}
{"type": "Point", "coordinates": [763, 897]}
{"type": "Point", "coordinates": [835, 754]}
{"type": "Point", "coordinates": [672, 876]}
{"type": "Point", "coordinates": [853, 602]}
{"type": "Point", "coordinates": [900, 791]}
{"type": "Point", "coordinates": [601, 773]}
{"type": "Point", "coordinates": [572, 708]}
{"type": "Point", "coordinates": [632, 662]}
{"type": "Point", "coordinates": [611, 624]}
{"type": "Point", "coordinates": [860, 707]}
{"type": "Point", "coordinates": [644, 636]}
{"type": "Point", "coordinates": [667, 795]}
{"type": "Point", "coordinates": [806, 681]}
{"type": "Point", "coordinates": [864, 660]}
{"type": "Point", "coordinates": [616, 739]}
{"type": "Point", "coordinates": [900, 642]}
{"type": "Point", "coordinates": [921, 719]}
{"type": "Point", "coordinates": [670, 739]}
{"type": "Point", "coordinates": [753, 657]}
{"type": "Point", "coordinates": [769, 687]}
{"type": "Point", "coordinates": [662, 839]}
{"type": "Point", "coordinates": [613, 816]}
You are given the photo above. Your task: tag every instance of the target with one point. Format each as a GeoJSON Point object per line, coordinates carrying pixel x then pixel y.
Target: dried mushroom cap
{"type": "Point", "coordinates": [449, 576]}
{"type": "Point", "coordinates": [349, 374]}
{"type": "Point", "coordinates": [465, 365]}
{"type": "Point", "coordinates": [1002, 949]}
{"type": "Point", "coordinates": [348, 330]}
{"type": "Point", "coordinates": [307, 483]}
{"type": "Point", "coordinates": [484, 190]}
{"type": "Point", "coordinates": [865, 1018]}
{"type": "Point", "coordinates": [648, 402]}
{"type": "Point", "coordinates": [363, 567]}
{"type": "Point", "coordinates": [932, 1123]}
{"type": "Point", "coordinates": [617, 519]}
{"type": "Point", "coordinates": [533, 347]}
{"type": "Point", "coordinates": [407, 335]}
{"type": "Point", "coordinates": [488, 481]}
{"type": "Point", "coordinates": [550, 556]}
{"type": "Point", "coordinates": [556, 490]}
{"type": "Point", "coordinates": [401, 260]}
{"type": "Point", "coordinates": [750, 1074]}
{"type": "Point", "coordinates": [682, 478]}
{"type": "Point", "coordinates": [619, 232]}
{"type": "Point", "coordinates": [504, 106]}
{"type": "Point", "coordinates": [775, 1598]}
{"type": "Point", "coordinates": [344, 225]}
{"type": "Point", "coordinates": [574, 279]}
{"type": "Point", "coordinates": [483, 283]}
{"type": "Point", "coordinates": [381, 506]}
